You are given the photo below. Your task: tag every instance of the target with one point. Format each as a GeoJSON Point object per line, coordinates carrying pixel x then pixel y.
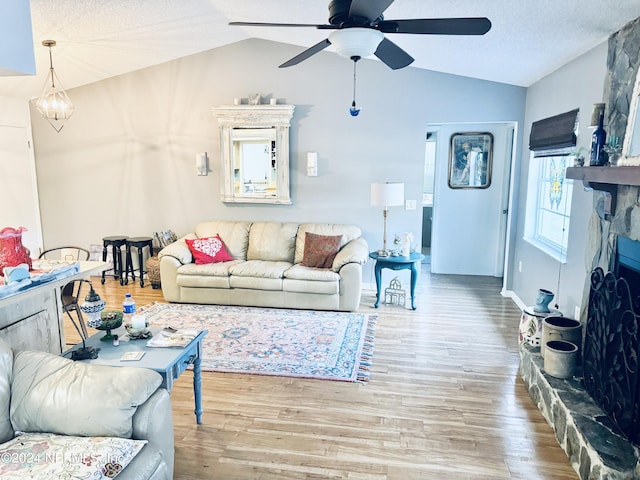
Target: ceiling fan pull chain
{"type": "Point", "coordinates": [353, 110]}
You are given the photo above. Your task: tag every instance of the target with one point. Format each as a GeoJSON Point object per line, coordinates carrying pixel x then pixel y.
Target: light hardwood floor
{"type": "Point", "coordinates": [445, 401]}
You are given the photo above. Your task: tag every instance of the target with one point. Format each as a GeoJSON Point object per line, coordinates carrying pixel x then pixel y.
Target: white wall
{"type": "Point", "coordinates": [20, 206]}
{"type": "Point", "coordinates": [579, 84]}
{"type": "Point", "coordinates": [16, 55]}
{"type": "Point", "coordinates": [124, 163]}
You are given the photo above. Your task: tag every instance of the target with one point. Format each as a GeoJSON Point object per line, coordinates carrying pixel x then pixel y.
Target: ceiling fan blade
{"type": "Point", "coordinates": [392, 55]}
{"type": "Point", "coordinates": [369, 9]}
{"type": "Point", "coordinates": [266, 24]}
{"type": "Point", "coordinates": [307, 53]}
{"type": "Point", "coordinates": [438, 26]}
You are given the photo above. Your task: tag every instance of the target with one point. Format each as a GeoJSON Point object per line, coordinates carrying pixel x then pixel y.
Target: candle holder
{"type": "Point", "coordinates": [138, 333]}
{"type": "Point", "coordinates": [110, 321]}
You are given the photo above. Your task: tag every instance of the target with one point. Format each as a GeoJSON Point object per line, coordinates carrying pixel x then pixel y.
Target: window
{"type": "Point", "coordinates": [549, 203]}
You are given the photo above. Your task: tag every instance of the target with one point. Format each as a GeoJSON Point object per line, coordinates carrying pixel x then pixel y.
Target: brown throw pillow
{"type": "Point", "coordinates": [320, 250]}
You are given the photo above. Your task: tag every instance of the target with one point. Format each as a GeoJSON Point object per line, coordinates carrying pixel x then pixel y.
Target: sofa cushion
{"type": "Point", "coordinates": [259, 268]}
{"type": "Point", "coordinates": [46, 455]}
{"type": "Point", "coordinates": [348, 232]}
{"type": "Point", "coordinates": [6, 372]}
{"type": "Point", "coordinates": [208, 250]}
{"type": "Point", "coordinates": [320, 250]}
{"type": "Point", "coordinates": [235, 235]}
{"type": "Point", "coordinates": [203, 281]}
{"type": "Point", "coordinates": [209, 270]}
{"type": "Point", "coordinates": [272, 241]}
{"type": "Point", "coordinates": [57, 395]}
{"type": "Point", "coordinates": [300, 272]}
{"type": "Point", "coordinates": [256, 283]}
{"type": "Point", "coordinates": [308, 286]}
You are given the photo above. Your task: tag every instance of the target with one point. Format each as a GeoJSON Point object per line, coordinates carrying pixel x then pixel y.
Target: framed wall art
{"type": "Point", "coordinates": [470, 159]}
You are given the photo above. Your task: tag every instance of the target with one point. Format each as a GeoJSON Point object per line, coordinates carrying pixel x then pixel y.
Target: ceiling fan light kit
{"type": "Point", "coordinates": [356, 42]}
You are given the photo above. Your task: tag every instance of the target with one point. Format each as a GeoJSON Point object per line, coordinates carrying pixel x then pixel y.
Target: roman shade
{"type": "Point", "coordinates": [554, 132]}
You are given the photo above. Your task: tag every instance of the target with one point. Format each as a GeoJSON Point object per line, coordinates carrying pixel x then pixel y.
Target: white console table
{"type": "Point", "coordinates": [32, 319]}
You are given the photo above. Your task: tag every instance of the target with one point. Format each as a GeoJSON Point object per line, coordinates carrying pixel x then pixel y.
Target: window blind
{"type": "Point", "coordinates": [554, 132]}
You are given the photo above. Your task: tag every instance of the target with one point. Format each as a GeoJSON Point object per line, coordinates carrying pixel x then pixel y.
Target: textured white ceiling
{"type": "Point", "coordinates": [98, 39]}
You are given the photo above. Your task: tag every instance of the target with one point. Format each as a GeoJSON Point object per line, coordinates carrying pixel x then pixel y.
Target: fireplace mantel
{"type": "Point", "coordinates": [606, 179]}
{"type": "Point", "coordinates": [608, 175]}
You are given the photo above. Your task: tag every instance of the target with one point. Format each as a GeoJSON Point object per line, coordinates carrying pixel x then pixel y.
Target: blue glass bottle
{"type": "Point", "coordinates": [598, 155]}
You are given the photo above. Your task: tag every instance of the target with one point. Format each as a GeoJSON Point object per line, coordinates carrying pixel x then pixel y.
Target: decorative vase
{"type": "Point", "coordinates": [12, 252]}
{"type": "Point", "coordinates": [407, 238]}
{"type": "Point", "coordinates": [543, 300]}
{"type": "Point", "coordinates": [560, 358]}
{"type": "Point", "coordinates": [560, 328]}
{"type": "Point", "coordinates": [598, 156]}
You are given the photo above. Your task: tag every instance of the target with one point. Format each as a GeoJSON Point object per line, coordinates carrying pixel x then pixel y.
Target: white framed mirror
{"type": "Point", "coordinates": [254, 153]}
{"type": "Point", "coordinates": [631, 146]}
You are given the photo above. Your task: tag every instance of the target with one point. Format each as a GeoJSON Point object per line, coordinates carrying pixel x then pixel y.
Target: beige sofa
{"type": "Point", "coordinates": [266, 270]}
{"type": "Point", "coordinates": [65, 419]}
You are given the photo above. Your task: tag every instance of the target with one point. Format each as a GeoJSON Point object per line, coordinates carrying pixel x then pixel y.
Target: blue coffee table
{"type": "Point", "coordinates": [397, 263]}
{"type": "Point", "coordinates": [169, 362]}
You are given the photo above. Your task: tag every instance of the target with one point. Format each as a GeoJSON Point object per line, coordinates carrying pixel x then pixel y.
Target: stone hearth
{"type": "Point", "coordinates": [582, 429]}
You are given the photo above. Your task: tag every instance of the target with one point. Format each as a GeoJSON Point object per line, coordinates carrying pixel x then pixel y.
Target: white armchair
{"type": "Point", "coordinates": [58, 416]}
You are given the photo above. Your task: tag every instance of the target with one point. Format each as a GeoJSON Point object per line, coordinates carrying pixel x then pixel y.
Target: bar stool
{"type": "Point", "coordinates": [116, 242]}
{"type": "Point", "coordinates": [139, 243]}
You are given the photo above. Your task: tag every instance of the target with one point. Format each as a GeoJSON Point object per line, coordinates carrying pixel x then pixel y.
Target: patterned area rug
{"type": "Point", "coordinates": [271, 341]}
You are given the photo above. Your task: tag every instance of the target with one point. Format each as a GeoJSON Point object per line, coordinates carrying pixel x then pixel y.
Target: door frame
{"type": "Point", "coordinates": [505, 246]}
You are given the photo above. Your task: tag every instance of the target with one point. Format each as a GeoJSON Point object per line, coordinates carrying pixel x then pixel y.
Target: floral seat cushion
{"type": "Point", "coordinates": [31, 456]}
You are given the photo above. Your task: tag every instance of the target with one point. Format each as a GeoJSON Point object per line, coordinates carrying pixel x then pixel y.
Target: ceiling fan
{"type": "Point", "coordinates": [359, 30]}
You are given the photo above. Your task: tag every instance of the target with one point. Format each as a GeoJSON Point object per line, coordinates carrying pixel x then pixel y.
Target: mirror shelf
{"type": "Point", "coordinates": [254, 153]}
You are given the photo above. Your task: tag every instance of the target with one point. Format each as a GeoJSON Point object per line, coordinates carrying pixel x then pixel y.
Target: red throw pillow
{"type": "Point", "coordinates": [320, 250]}
{"type": "Point", "coordinates": [208, 250]}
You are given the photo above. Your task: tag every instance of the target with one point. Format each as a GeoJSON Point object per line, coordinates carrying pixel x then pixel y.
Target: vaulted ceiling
{"type": "Point", "coordinates": [98, 39]}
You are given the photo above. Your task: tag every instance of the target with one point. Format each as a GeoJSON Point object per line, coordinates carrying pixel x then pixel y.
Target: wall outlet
{"type": "Point", "coordinates": [520, 266]}
{"type": "Point", "coordinates": [410, 205]}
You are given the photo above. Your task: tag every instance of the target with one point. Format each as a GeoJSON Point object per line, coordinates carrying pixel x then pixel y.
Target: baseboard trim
{"type": "Point", "coordinates": [513, 296]}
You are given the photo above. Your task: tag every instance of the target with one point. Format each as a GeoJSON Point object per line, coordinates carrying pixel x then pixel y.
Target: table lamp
{"type": "Point", "coordinates": [92, 306]}
{"type": "Point", "coordinates": [386, 195]}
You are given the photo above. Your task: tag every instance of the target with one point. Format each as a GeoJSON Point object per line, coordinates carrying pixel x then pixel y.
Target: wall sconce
{"type": "Point", "coordinates": [202, 164]}
{"type": "Point", "coordinates": [312, 164]}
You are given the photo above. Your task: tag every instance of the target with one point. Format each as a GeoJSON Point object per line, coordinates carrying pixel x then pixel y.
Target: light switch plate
{"type": "Point", "coordinates": [410, 205]}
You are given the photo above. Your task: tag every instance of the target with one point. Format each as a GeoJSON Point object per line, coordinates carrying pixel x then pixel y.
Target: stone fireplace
{"type": "Point", "coordinates": [596, 414]}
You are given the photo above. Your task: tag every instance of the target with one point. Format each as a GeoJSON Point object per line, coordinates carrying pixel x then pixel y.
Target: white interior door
{"type": "Point", "coordinates": [469, 224]}
{"type": "Point", "coordinates": [18, 186]}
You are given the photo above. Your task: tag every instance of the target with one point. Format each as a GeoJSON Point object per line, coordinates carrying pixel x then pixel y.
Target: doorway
{"type": "Point", "coordinates": [468, 223]}
{"type": "Point", "coordinates": [427, 194]}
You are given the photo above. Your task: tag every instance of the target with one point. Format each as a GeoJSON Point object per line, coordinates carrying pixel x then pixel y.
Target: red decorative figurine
{"type": "Point", "coordinates": [12, 252]}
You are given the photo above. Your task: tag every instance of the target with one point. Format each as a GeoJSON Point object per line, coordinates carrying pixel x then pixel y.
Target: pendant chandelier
{"type": "Point", "coordinates": [54, 104]}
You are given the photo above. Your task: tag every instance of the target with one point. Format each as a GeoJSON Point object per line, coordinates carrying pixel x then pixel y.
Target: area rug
{"type": "Point", "coordinates": [273, 341]}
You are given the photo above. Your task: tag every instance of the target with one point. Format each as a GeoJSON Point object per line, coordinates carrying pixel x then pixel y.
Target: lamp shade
{"type": "Point", "coordinates": [387, 194]}
{"type": "Point", "coordinates": [356, 42]}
